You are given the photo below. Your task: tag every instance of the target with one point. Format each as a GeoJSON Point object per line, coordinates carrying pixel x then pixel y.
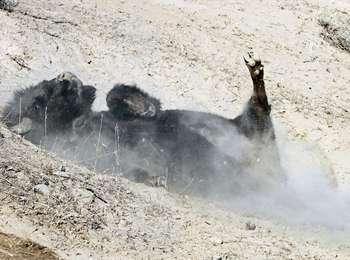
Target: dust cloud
{"type": "Point", "coordinates": [309, 196]}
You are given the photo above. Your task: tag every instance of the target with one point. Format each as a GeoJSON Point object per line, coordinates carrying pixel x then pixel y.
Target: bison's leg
{"type": "Point", "coordinates": [255, 120]}
{"type": "Point", "coordinates": [255, 123]}
{"type": "Point", "coordinates": [259, 99]}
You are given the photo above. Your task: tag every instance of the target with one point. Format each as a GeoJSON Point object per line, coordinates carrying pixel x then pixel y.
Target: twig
{"type": "Point", "coordinates": [45, 129]}
{"type": "Point", "coordinates": [117, 145]}
{"type": "Point", "coordinates": [97, 196]}
{"type": "Point", "coordinates": [98, 141]}
{"type": "Point", "coordinates": [10, 183]}
{"type": "Point", "coordinates": [19, 61]}
{"type": "Point", "coordinates": [4, 118]}
{"type": "Point", "coordinates": [47, 18]}
{"type": "Point", "coordinates": [20, 113]}
{"type": "Point", "coordinates": [4, 198]}
{"type": "Point", "coordinates": [51, 34]}
{"type": "Point", "coordinates": [312, 59]}
{"type": "Point", "coordinates": [54, 35]}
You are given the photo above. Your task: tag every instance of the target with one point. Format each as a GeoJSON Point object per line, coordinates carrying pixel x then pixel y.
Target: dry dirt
{"type": "Point", "coordinates": [189, 54]}
{"type": "Point", "coordinates": [80, 214]}
{"type": "Point", "coordinates": [12, 247]}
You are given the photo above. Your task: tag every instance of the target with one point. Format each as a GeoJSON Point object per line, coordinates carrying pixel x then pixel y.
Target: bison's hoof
{"type": "Point", "coordinates": [254, 65]}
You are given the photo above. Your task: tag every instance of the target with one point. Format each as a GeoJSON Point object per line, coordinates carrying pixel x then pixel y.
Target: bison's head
{"type": "Point", "coordinates": [50, 106]}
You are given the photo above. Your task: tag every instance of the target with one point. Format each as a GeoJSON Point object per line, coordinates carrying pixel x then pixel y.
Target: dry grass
{"type": "Point", "coordinates": [12, 247]}
{"type": "Point", "coordinates": [84, 214]}
{"type": "Point", "coordinates": [336, 28]}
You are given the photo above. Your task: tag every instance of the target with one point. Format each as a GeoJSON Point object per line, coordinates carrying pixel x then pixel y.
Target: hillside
{"type": "Point", "coordinates": [188, 53]}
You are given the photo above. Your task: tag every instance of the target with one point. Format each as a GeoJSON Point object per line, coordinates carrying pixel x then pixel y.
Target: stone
{"type": "Point", "coordinates": [42, 189]}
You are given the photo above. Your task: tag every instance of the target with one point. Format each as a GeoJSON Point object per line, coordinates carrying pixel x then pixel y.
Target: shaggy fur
{"type": "Point", "coordinates": [161, 147]}
{"type": "Point", "coordinates": [128, 102]}
{"type": "Point", "coordinates": [254, 123]}
{"type": "Point", "coordinates": [51, 105]}
{"type": "Point", "coordinates": [138, 140]}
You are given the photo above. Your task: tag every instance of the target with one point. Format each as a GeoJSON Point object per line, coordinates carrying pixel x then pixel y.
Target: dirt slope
{"type": "Point", "coordinates": [79, 214]}
{"type": "Point", "coordinates": [188, 53]}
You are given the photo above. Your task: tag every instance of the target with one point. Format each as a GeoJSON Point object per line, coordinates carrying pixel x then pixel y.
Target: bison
{"type": "Point", "coordinates": [137, 139]}
{"type": "Point", "coordinates": [249, 138]}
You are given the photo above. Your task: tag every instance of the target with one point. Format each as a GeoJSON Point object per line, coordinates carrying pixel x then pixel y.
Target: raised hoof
{"type": "Point", "coordinates": [254, 66]}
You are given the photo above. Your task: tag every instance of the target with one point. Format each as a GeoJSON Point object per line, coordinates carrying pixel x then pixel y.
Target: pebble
{"type": "Point", "coordinates": [42, 189]}
{"type": "Point", "coordinates": [216, 241]}
{"type": "Point", "coordinates": [62, 174]}
{"type": "Point", "coordinates": [250, 226]}
{"type": "Point", "coordinates": [85, 196]}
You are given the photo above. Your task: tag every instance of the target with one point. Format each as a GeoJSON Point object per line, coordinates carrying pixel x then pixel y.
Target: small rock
{"type": "Point", "coordinates": [216, 241]}
{"type": "Point", "coordinates": [220, 257]}
{"type": "Point", "coordinates": [84, 196]}
{"type": "Point", "coordinates": [42, 189]}
{"type": "Point", "coordinates": [62, 174]}
{"type": "Point", "coordinates": [63, 168]}
{"type": "Point", "coordinates": [123, 223]}
{"type": "Point", "coordinates": [250, 226]}
{"type": "Point", "coordinates": [22, 199]}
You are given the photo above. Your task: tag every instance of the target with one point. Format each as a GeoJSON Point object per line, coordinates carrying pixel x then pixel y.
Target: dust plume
{"type": "Point", "coordinates": [309, 196]}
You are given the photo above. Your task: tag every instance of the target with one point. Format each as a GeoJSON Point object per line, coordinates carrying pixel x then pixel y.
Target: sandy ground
{"type": "Point", "coordinates": [13, 247]}
{"type": "Point", "coordinates": [189, 54]}
{"type": "Point", "coordinates": [81, 215]}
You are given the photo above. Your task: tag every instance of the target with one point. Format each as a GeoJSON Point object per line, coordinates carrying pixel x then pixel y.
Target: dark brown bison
{"type": "Point", "coordinates": [248, 139]}
{"type": "Point", "coordinates": [192, 152]}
